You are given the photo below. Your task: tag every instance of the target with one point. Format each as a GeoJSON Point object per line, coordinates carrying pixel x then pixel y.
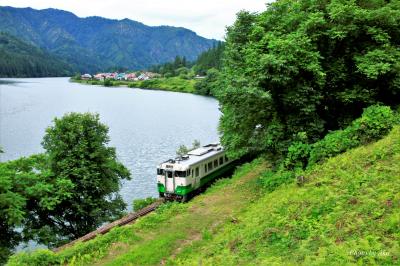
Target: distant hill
{"type": "Point", "coordinates": [95, 43]}
{"type": "Point", "coordinates": [19, 59]}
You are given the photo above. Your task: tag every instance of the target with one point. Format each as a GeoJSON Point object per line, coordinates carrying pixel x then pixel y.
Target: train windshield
{"type": "Point", "coordinates": [160, 171]}
{"type": "Point", "coordinates": [180, 173]}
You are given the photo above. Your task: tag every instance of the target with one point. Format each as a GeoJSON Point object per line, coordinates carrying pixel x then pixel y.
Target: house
{"type": "Point", "coordinates": [131, 76]}
{"type": "Point", "coordinates": [111, 75]}
{"type": "Point", "coordinates": [86, 76]}
{"type": "Point", "coordinates": [152, 75]}
{"type": "Point", "coordinates": [100, 76]}
{"type": "Point", "coordinates": [120, 76]}
{"type": "Point", "coordinates": [143, 76]}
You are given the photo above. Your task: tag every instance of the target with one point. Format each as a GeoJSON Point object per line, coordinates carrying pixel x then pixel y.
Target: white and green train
{"type": "Point", "coordinates": [179, 178]}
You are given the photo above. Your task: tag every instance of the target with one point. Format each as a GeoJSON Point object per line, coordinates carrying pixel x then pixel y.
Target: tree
{"type": "Point", "coordinates": [306, 66]}
{"type": "Point", "coordinates": [196, 144]}
{"type": "Point", "coordinates": [64, 193]}
{"type": "Point", "coordinates": [76, 146]}
{"type": "Point", "coordinates": [182, 150]}
{"type": "Point", "coordinates": [210, 84]}
{"type": "Point", "coordinates": [26, 188]}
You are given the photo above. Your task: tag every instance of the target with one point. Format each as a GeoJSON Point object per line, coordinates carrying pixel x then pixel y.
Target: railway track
{"type": "Point", "coordinates": [120, 222]}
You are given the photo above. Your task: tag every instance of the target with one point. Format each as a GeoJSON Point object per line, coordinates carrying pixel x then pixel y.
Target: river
{"type": "Point", "coordinates": [146, 126]}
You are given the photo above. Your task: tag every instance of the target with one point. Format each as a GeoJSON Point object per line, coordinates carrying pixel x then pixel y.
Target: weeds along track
{"type": "Point", "coordinates": [120, 222]}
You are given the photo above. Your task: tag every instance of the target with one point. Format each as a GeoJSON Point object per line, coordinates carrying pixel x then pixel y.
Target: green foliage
{"type": "Point", "coordinates": [108, 83]}
{"type": "Point", "coordinates": [64, 193]}
{"type": "Point", "coordinates": [20, 59]}
{"type": "Point", "coordinates": [196, 144]}
{"type": "Point", "coordinates": [172, 69]}
{"type": "Point", "coordinates": [76, 146]}
{"type": "Point", "coordinates": [80, 253]}
{"type": "Point", "coordinates": [210, 59]}
{"type": "Point", "coordinates": [169, 84]}
{"type": "Point", "coordinates": [210, 84]}
{"type": "Point", "coordinates": [375, 123]}
{"type": "Point", "coordinates": [298, 154]}
{"type": "Point", "coordinates": [139, 204]}
{"type": "Point", "coordinates": [272, 180]}
{"type": "Point", "coordinates": [182, 150]}
{"type": "Point", "coordinates": [305, 66]}
{"type": "Point", "coordinates": [27, 188]}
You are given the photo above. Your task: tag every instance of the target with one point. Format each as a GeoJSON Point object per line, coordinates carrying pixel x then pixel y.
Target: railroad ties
{"type": "Point", "coordinates": [123, 221]}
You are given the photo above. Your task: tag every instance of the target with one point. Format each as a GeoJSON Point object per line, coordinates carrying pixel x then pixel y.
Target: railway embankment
{"type": "Point", "coordinates": [345, 211]}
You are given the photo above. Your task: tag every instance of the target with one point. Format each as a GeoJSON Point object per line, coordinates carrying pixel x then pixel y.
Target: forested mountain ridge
{"type": "Point", "coordinates": [94, 43]}
{"type": "Point", "coordinates": [20, 59]}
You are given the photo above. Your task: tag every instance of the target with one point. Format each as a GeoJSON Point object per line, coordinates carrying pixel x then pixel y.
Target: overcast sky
{"type": "Point", "coordinates": [207, 18]}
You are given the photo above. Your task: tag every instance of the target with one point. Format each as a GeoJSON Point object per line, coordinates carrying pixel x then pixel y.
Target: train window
{"type": "Point", "coordinates": [160, 171]}
{"type": "Point", "coordinates": [192, 172]}
{"type": "Point", "coordinates": [205, 168]}
{"type": "Point", "coordinates": [197, 171]}
{"type": "Point", "coordinates": [215, 163]}
{"type": "Point", "coordinates": [180, 173]}
{"type": "Point", "coordinates": [169, 174]}
{"type": "Point", "coordinates": [210, 166]}
{"type": "Point", "coordinates": [221, 160]}
{"type": "Point", "coordinates": [188, 172]}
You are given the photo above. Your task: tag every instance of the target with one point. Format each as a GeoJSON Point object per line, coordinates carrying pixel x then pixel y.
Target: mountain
{"type": "Point", "coordinates": [20, 59]}
{"type": "Point", "coordinates": [95, 43]}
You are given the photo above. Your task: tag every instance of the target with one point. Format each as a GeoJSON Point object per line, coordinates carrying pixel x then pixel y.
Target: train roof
{"type": "Point", "coordinates": [197, 155]}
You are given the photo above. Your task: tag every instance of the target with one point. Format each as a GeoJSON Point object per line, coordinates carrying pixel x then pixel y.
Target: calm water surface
{"type": "Point", "coordinates": [146, 127]}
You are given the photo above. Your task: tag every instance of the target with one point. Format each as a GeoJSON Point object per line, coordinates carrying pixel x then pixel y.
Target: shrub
{"type": "Point", "coordinates": [375, 122]}
{"type": "Point", "coordinates": [108, 83]}
{"type": "Point", "coordinates": [332, 144]}
{"type": "Point", "coordinates": [141, 203]}
{"type": "Point", "coordinates": [298, 153]}
{"type": "Point", "coordinates": [272, 180]}
{"type": "Point", "coordinates": [38, 258]}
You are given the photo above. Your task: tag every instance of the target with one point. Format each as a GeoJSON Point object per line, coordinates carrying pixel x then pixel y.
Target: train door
{"type": "Point", "coordinates": [169, 182]}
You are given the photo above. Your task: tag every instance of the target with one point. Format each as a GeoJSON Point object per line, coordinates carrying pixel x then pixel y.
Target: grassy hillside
{"type": "Point", "coordinates": [346, 212]}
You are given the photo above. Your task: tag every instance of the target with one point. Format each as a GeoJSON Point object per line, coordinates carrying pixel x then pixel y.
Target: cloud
{"type": "Point", "coordinates": [207, 18]}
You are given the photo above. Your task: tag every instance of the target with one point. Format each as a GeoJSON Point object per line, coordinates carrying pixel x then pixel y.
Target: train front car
{"type": "Point", "coordinates": [172, 181]}
{"type": "Point", "coordinates": [179, 178]}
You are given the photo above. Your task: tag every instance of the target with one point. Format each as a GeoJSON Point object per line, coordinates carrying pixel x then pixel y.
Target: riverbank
{"type": "Point", "coordinates": [175, 84]}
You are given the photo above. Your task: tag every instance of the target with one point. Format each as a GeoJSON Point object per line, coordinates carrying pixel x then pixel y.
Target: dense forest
{"type": "Point", "coordinates": [19, 59]}
{"type": "Point", "coordinates": [303, 68]}
{"type": "Point", "coordinates": [206, 68]}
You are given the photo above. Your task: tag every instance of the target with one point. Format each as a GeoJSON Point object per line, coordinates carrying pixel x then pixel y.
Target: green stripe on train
{"type": "Point", "coordinates": [161, 188]}
{"type": "Point", "coordinates": [214, 175]}
{"type": "Point", "coordinates": [184, 190]}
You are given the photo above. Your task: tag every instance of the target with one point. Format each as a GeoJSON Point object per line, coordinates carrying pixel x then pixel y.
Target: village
{"type": "Point", "coordinates": [134, 76]}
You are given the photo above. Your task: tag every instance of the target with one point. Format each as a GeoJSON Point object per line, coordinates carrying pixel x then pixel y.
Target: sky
{"type": "Point", "coordinates": [207, 18]}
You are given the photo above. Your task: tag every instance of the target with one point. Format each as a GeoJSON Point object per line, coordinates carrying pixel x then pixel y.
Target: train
{"type": "Point", "coordinates": [180, 178]}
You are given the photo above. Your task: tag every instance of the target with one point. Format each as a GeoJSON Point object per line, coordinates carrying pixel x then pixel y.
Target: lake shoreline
{"type": "Point", "coordinates": [174, 84]}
